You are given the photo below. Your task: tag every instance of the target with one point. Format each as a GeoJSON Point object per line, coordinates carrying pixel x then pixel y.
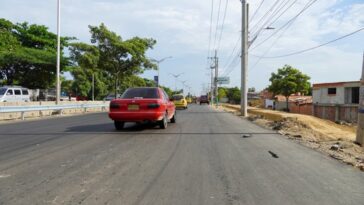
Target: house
{"type": "Point", "coordinates": [336, 101]}
{"type": "Point", "coordinates": [297, 103]}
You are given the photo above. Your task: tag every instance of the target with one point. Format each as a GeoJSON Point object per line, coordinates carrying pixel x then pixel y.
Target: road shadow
{"type": "Point", "coordinates": [109, 127]}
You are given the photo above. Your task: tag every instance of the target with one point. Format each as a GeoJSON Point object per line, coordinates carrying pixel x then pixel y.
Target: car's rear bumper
{"type": "Point", "coordinates": [180, 105]}
{"type": "Point", "coordinates": [136, 116]}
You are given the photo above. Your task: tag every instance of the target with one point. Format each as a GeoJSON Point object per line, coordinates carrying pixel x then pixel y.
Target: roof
{"type": "Point", "coordinates": [334, 84]}
{"type": "Point", "coordinates": [294, 98]}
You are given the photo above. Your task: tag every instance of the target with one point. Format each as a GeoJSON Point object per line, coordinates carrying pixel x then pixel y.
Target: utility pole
{"type": "Point", "coordinates": [360, 130]}
{"type": "Point", "coordinates": [93, 86]}
{"type": "Point", "coordinates": [244, 60]}
{"type": "Point", "coordinates": [212, 85]}
{"type": "Point", "coordinates": [216, 76]}
{"type": "Point", "coordinates": [58, 86]}
{"type": "Point", "coordinates": [214, 79]}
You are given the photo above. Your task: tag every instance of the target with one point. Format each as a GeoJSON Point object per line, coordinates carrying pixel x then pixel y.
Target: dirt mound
{"type": "Point", "coordinates": [335, 140]}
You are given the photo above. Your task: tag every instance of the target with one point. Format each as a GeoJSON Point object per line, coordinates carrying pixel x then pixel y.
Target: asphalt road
{"type": "Point", "coordinates": [203, 159]}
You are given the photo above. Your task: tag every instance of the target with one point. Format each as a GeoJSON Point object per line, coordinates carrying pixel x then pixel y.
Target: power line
{"type": "Point", "coordinates": [232, 53]}
{"type": "Point", "coordinates": [312, 48]}
{"type": "Point", "coordinates": [310, 3]}
{"type": "Point", "coordinates": [256, 11]}
{"type": "Point", "coordinates": [268, 22]}
{"type": "Point", "coordinates": [223, 23]}
{"type": "Point", "coordinates": [217, 24]}
{"type": "Point", "coordinates": [262, 18]}
{"type": "Point", "coordinates": [210, 35]}
{"type": "Point", "coordinates": [282, 13]}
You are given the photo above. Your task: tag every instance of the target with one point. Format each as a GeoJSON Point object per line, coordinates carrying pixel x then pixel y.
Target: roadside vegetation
{"type": "Point", "coordinates": [28, 58]}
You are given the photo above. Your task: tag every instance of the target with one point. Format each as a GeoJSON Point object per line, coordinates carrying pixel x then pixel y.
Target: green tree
{"type": "Point", "coordinates": [222, 92]}
{"type": "Point", "coordinates": [121, 59]}
{"type": "Point", "coordinates": [233, 94]}
{"type": "Point", "coordinates": [251, 90]}
{"type": "Point", "coordinates": [287, 81]}
{"type": "Point", "coordinates": [28, 55]}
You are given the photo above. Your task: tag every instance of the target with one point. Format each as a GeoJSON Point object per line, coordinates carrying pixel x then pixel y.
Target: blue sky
{"type": "Point", "coordinates": [181, 29]}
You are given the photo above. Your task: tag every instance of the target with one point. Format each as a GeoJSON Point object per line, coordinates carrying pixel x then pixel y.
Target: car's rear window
{"type": "Point", "coordinates": [204, 97]}
{"type": "Point", "coordinates": [147, 93]}
{"type": "Point", "coordinates": [177, 97]}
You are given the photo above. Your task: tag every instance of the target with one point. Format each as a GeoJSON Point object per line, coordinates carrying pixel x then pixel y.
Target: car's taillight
{"type": "Point", "coordinates": [153, 105]}
{"type": "Point", "coordinates": [114, 106]}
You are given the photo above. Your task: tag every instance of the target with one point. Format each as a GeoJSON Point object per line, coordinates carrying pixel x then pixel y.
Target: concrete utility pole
{"type": "Point", "coordinates": [58, 86]}
{"type": "Point", "coordinates": [216, 77]}
{"type": "Point", "coordinates": [212, 85]}
{"type": "Point", "coordinates": [244, 60]}
{"type": "Point", "coordinates": [360, 130]}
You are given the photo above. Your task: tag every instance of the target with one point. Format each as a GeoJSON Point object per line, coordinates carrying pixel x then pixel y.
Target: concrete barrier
{"type": "Point", "coordinates": [34, 114]}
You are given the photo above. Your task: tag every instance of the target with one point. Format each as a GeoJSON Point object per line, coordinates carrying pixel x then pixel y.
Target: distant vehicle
{"type": "Point", "coordinates": [14, 94]}
{"type": "Point", "coordinates": [143, 105]}
{"type": "Point", "coordinates": [111, 97]}
{"type": "Point", "coordinates": [180, 101]}
{"type": "Point", "coordinates": [204, 99]}
{"type": "Point", "coordinates": [189, 100]}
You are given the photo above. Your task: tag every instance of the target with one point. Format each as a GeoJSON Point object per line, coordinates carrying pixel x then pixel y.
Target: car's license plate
{"type": "Point", "coordinates": [133, 107]}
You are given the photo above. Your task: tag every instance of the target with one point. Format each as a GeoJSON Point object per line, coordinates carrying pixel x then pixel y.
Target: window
{"type": "Point", "coordinates": [10, 92]}
{"type": "Point", "coordinates": [166, 95]}
{"type": "Point", "coordinates": [147, 93]}
{"type": "Point", "coordinates": [2, 91]}
{"type": "Point", "coordinates": [331, 91]}
{"type": "Point", "coordinates": [17, 92]}
{"type": "Point", "coordinates": [25, 92]}
{"type": "Point", "coordinates": [355, 95]}
{"type": "Point", "coordinates": [177, 97]}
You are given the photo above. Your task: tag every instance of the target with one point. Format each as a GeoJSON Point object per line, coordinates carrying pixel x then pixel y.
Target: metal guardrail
{"type": "Point", "coordinates": [60, 108]}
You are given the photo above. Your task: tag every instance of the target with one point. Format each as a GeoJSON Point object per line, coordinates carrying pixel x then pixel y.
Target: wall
{"type": "Point", "coordinates": [305, 109]}
{"type": "Point", "coordinates": [320, 95]}
{"type": "Point", "coordinates": [17, 115]}
{"type": "Point", "coordinates": [348, 113]}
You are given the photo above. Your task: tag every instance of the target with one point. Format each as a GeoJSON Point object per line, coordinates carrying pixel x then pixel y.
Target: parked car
{"type": "Point", "coordinates": [204, 99]}
{"type": "Point", "coordinates": [180, 101]}
{"type": "Point", "coordinates": [143, 105]}
{"type": "Point", "coordinates": [14, 94]}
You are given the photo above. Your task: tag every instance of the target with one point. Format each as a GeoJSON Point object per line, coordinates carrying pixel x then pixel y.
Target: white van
{"type": "Point", "coordinates": [14, 94]}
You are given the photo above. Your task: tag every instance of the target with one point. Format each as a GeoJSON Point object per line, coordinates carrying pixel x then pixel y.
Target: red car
{"type": "Point", "coordinates": [142, 105]}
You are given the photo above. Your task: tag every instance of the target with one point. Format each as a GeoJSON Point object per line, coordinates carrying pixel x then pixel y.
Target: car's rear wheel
{"type": "Point", "coordinates": [173, 119]}
{"type": "Point", "coordinates": [119, 125]}
{"type": "Point", "coordinates": [164, 122]}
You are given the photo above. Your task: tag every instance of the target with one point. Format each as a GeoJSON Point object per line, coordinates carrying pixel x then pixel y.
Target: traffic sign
{"type": "Point", "coordinates": [223, 80]}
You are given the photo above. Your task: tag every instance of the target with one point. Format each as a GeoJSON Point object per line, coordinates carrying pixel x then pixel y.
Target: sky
{"type": "Point", "coordinates": [182, 30]}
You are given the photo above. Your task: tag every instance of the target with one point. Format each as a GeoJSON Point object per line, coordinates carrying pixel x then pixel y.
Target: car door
{"type": "Point", "coordinates": [9, 95]}
{"type": "Point", "coordinates": [17, 95]}
{"type": "Point", "coordinates": [170, 105]}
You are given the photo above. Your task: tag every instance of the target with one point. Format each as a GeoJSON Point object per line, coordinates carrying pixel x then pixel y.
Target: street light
{"type": "Point", "coordinates": [175, 79]}
{"type": "Point", "coordinates": [158, 62]}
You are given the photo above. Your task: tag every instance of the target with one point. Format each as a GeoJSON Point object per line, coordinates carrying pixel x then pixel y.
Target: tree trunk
{"type": "Point", "coordinates": [287, 103]}
{"type": "Point", "coordinates": [116, 87]}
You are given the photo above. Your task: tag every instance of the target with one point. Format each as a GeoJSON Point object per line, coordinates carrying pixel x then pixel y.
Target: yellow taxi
{"type": "Point", "coordinates": [189, 100]}
{"type": "Point", "coordinates": [179, 101]}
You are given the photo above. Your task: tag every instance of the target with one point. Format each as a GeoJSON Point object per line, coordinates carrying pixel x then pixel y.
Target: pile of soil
{"type": "Point", "coordinates": [335, 140]}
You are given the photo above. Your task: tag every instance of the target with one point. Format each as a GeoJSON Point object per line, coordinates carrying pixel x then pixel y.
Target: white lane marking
{"type": "Point", "coordinates": [4, 176]}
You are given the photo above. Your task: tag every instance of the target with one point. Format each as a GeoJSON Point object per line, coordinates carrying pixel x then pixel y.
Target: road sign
{"type": "Point", "coordinates": [156, 80]}
{"type": "Point", "coordinates": [223, 80]}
